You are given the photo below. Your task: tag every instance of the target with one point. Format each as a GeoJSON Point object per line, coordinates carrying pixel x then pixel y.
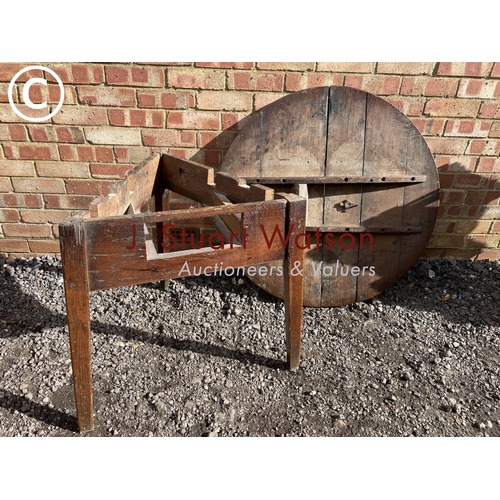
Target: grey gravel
{"type": "Point", "coordinates": [206, 357]}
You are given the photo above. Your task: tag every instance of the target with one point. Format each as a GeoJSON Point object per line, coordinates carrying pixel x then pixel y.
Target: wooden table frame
{"type": "Point", "coordinates": [109, 246]}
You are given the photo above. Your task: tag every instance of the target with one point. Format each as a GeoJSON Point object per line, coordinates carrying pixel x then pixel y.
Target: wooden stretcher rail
{"type": "Point", "coordinates": [366, 229]}
{"type": "Point", "coordinates": [348, 179]}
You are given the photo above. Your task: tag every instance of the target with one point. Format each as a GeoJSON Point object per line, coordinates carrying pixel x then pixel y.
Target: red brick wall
{"type": "Point", "coordinates": [114, 115]}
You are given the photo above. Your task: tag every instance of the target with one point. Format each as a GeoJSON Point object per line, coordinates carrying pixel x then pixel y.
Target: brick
{"type": "Point", "coordinates": [446, 180]}
{"type": "Point", "coordinates": [9, 246]}
{"type": "Point", "coordinates": [225, 101]}
{"type": "Point", "coordinates": [495, 130]}
{"type": "Point", "coordinates": [490, 110]}
{"type": "Point", "coordinates": [467, 128]}
{"type": "Point", "coordinates": [44, 216]}
{"type": "Point", "coordinates": [408, 107]}
{"type": "Point", "coordinates": [13, 133]}
{"type": "Point", "coordinates": [481, 89]}
{"type": "Point", "coordinates": [55, 201]}
{"type": "Point", "coordinates": [475, 197]}
{"type": "Point", "coordinates": [21, 200]}
{"type": "Point", "coordinates": [300, 81]}
{"type": "Point", "coordinates": [460, 253]}
{"type": "Point", "coordinates": [196, 78]}
{"type": "Point", "coordinates": [489, 147]}
{"type": "Point", "coordinates": [107, 96]}
{"type": "Point", "coordinates": [452, 107]}
{"type": "Point", "coordinates": [429, 87]}
{"type": "Point", "coordinates": [488, 254]}
{"type": "Point", "coordinates": [444, 226]}
{"type": "Point", "coordinates": [491, 212]}
{"type": "Point", "coordinates": [464, 69]}
{"type": "Point", "coordinates": [22, 185]}
{"type": "Point", "coordinates": [405, 68]}
{"type": "Point", "coordinates": [16, 168]}
{"type": "Point", "coordinates": [135, 76]}
{"type": "Point", "coordinates": [174, 99]}
{"type": "Point", "coordinates": [62, 169]}
{"type": "Point", "coordinates": [19, 151]}
{"type": "Point", "coordinates": [451, 196]}
{"type": "Point", "coordinates": [131, 154]}
{"type": "Point", "coordinates": [247, 80]}
{"type": "Point", "coordinates": [488, 165]}
{"type": "Point", "coordinates": [290, 66]}
{"type": "Point", "coordinates": [86, 153]}
{"type": "Point", "coordinates": [226, 65]}
{"type": "Point", "coordinates": [472, 226]}
{"type": "Point", "coordinates": [495, 72]}
{"type": "Point", "coordinates": [49, 133]}
{"type": "Point", "coordinates": [429, 126]}
{"type": "Point", "coordinates": [87, 187]}
{"type": "Point", "coordinates": [174, 138]}
{"type": "Point", "coordinates": [495, 227]}
{"type": "Point", "coordinates": [109, 170]}
{"type": "Point", "coordinates": [85, 73]}
{"type": "Point", "coordinates": [81, 116]}
{"type": "Point", "coordinates": [4, 93]}
{"type": "Point", "coordinates": [137, 118]}
{"type": "Point", "coordinates": [491, 197]}
{"type": "Point", "coordinates": [9, 70]}
{"type": "Point", "coordinates": [216, 140]}
{"type": "Point", "coordinates": [456, 163]}
{"type": "Point", "coordinates": [446, 146]}
{"type": "Point", "coordinates": [194, 120]}
{"type": "Point", "coordinates": [346, 67]}
{"type": "Point", "coordinates": [264, 98]}
{"type": "Point", "coordinates": [234, 121]}
{"type": "Point", "coordinates": [451, 240]}
{"type": "Point", "coordinates": [27, 230]}
{"type": "Point", "coordinates": [5, 185]}
{"type": "Point", "coordinates": [113, 136]}
{"type": "Point", "coordinates": [375, 84]}
{"type": "Point", "coordinates": [7, 114]}
{"type": "Point", "coordinates": [9, 215]}
{"type": "Point", "coordinates": [469, 180]}
{"type": "Point", "coordinates": [45, 247]}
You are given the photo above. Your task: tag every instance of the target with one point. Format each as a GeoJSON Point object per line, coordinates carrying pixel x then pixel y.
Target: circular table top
{"type": "Point", "coordinates": [370, 180]}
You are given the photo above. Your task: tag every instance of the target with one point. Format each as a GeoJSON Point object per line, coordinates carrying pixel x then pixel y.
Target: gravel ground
{"type": "Point", "coordinates": [206, 358]}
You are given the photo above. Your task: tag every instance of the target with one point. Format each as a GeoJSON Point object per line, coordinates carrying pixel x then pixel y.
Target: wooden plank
{"type": "Point", "coordinates": [189, 179]}
{"type": "Point", "coordinates": [387, 138]}
{"type": "Point", "coordinates": [136, 188]}
{"type": "Point", "coordinates": [293, 136]}
{"type": "Point", "coordinates": [142, 181]}
{"type": "Point", "coordinates": [293, 270]}
{"type": "Point", "coordinates": [345, 149]}
{"type": "Point", "coordinates": [76, 288]}
{"type": "Point", "coordinates": [162, 204]}
{"type": "Point", "coordinates": [343, 179]}
{"type": "Point", "coordinates": [366, 229]}
{"type": "Point", "coordinates": [238, 191]}
{"type": "Point", "coordinates": [420, 201]}
{"type": "Point", "coordinates": [114, 261]}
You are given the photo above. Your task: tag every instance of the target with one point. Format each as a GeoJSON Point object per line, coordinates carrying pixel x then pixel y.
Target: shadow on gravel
{"type": "Point", "coordinates": [12, 402]}
{"type": "Point", "coordinates": [34, 316]}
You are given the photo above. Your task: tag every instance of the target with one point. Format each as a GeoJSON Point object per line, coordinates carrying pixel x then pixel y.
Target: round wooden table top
{"type": "Point", "coordinates": [370, 180]}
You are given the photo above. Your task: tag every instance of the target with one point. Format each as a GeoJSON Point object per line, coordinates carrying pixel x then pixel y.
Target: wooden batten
{"type": "Point", "coordinates": [136, 189]}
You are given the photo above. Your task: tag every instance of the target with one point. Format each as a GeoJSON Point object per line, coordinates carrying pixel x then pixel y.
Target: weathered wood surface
{"type": "Point", "coordinates": [76, 288]}
{"type": "Point", "coordinates": [118, 258]}
{"type": "Point", "coordinates": [293, 271]}
{"type": "Point", "coordinates": [351, 149]}
{"type": "Point", "coordinates": [136, 189]}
